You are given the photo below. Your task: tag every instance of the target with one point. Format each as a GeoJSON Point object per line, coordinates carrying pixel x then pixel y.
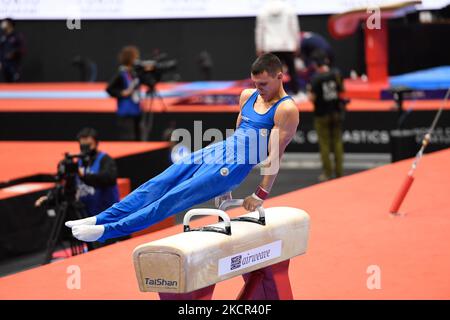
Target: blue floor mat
{"type": "Point", "coordinates": [428, 79]}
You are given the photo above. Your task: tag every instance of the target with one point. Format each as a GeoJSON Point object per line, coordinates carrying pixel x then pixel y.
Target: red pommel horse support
{"type": "Point", "coordinates": [257, 245]}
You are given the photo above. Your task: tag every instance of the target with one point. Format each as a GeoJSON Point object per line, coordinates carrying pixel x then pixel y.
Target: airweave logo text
{"type": "Point", "coordinates": [160, 282]}
{"type": "Point", "coordinates": [249, 258]}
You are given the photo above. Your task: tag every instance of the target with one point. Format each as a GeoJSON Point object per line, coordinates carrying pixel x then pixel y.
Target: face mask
{"type": "Point", "coordinates": [86, 149]}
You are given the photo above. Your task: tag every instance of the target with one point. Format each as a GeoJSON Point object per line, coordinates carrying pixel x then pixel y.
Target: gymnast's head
{"type": "Point", "coordinates": [267, 74]}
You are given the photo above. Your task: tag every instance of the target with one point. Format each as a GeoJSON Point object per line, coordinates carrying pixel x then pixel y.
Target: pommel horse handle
{"type": "Point", "coordinates": [239, 202]}
{"type": "Point", "coordinates": [207, 212]}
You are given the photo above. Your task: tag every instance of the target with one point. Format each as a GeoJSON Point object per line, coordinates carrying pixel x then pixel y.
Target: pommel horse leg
{"type": "Point", "coordinates": [269, 283]}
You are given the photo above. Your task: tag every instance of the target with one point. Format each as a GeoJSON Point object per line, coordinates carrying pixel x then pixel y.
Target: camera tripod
{"type": "Point", "coordinates": [67, 208]}
{"type": "Point", "coordinates": [147, 117]}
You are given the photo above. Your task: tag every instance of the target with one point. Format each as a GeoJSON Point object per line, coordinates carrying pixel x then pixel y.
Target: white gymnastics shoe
{"type": "Point", "coordinates": [91, 221]}
{"type": "Point", "coordinates": [88, 233]}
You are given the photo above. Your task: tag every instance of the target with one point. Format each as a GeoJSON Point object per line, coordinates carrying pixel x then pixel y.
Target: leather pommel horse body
{"type": "Point", "coordinates": [257, 245]}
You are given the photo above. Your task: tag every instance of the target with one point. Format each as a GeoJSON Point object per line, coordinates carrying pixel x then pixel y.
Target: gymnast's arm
{"type": "Point", "coordinates": [286, 121]}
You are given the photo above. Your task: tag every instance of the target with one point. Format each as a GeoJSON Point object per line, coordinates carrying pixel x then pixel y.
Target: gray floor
{"type": "Point", "coordinates": [297, 171]}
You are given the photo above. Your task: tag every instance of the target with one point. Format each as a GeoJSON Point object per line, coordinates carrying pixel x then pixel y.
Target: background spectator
{"type": "Point", "coordinates": [125, 87]}
{"type": "Point", "coordinates": [324, 91]}
{"type": "Point", "coordinates": [277, 29]}
{"type": "Point", "coordinates": [11, 51]}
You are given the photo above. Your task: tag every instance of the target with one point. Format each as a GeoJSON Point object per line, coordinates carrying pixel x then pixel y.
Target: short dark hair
{"type": "Point", "coordinates": [320, 57]}
{"type": "Point", "coordinates": [267, 62]}
{"type": "Point", "coordinates": [10, 21]}
{"type": "Point", "coordinates": [88, 132]}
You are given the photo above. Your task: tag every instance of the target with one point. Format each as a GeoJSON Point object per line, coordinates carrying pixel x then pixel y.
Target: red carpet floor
{"type": "Point", "coordinates": [350, 231]}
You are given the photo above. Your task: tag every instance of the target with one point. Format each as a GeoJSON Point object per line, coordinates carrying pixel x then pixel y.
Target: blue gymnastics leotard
{"type": "Point", "coordinates": [198, 177]}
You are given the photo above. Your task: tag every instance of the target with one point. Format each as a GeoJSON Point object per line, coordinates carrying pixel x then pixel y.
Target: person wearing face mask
{"type": "Point", "coordinates": [97, 187]}
{"type": "Point", "coordinates": [11, 51]}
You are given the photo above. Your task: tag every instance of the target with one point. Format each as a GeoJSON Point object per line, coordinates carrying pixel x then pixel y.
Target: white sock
{"type": "Point", "coordinates": [91, 221]}
{"type": "Point", "coordinates": [88, 233]}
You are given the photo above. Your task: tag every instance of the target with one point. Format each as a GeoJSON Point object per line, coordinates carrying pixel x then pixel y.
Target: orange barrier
{"type": "Point", "coordinates": [23, 158]}
{"type": "Point", "coordinates": [124, 186]}
{"type": "Point", "coordinates": [364, 95]}
{"type": "Point", "coordinates": [24, 188]}
{"type": "Point", "coordinates": [351, 233]}
{"type": "Point", "coordinates": [108, 106]}
{"type": "Point", "coordinates": [67, 86]}
{"type": "Point", "coordinates": [31, 187]}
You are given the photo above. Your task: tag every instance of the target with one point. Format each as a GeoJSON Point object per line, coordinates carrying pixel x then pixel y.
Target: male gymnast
{"type": "Point", "coordinates": [266, 124]}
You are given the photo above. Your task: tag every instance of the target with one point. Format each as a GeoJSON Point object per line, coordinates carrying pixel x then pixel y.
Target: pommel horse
{"type": "Point", "coordinates": [257, 245]}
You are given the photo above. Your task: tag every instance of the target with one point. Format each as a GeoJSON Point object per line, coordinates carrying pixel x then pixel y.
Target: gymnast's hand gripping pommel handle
{"type": "Point", "coordinates": [239, 202]}
{"type": "Point", "coordinates": [220, 212]}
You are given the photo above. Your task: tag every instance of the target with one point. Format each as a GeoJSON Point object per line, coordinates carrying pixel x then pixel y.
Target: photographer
{"type": "Point", "coordinates": [100, 173]}
{"type": "Point", "coordinates": [96, 185]}
{"type": "Point", "coordinates": [86, 185]}
{"type": "Point", "coordinates": [125, 87]}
